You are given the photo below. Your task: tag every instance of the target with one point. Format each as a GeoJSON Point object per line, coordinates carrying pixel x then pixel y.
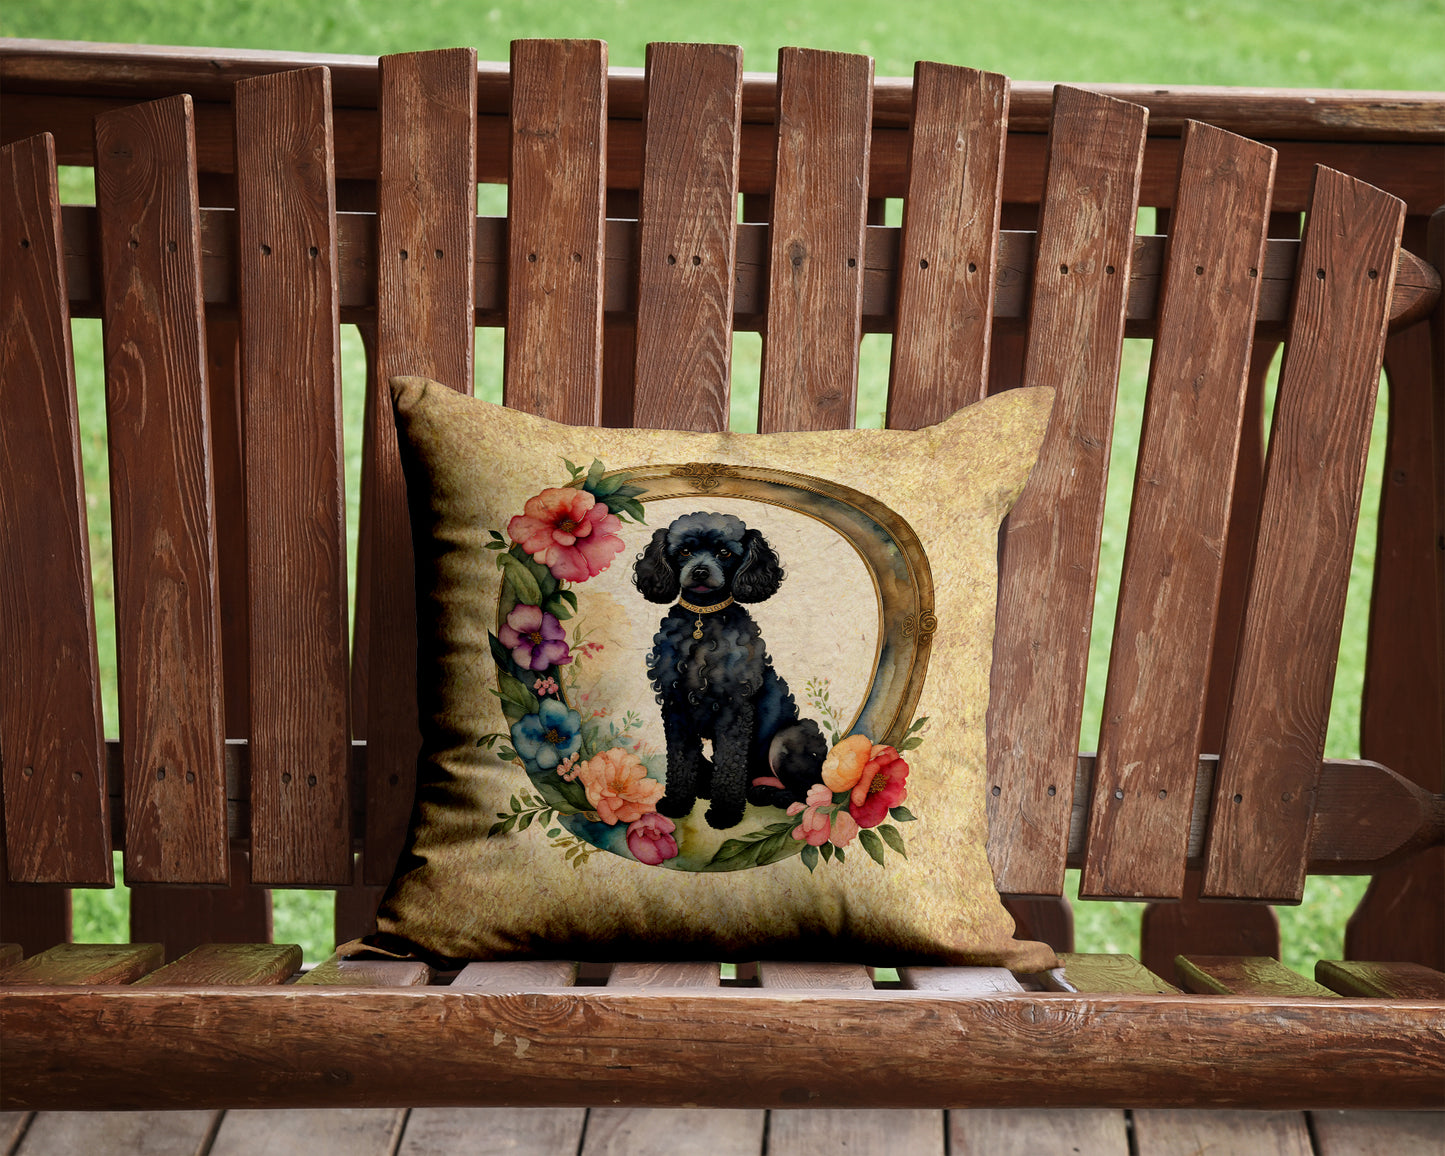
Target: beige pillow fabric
{"type": "Point", "coordinates": [705, 695]}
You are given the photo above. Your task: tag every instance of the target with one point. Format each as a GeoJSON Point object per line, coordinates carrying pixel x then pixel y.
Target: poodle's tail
{"type": "Point", "coordinates": [795, 756]}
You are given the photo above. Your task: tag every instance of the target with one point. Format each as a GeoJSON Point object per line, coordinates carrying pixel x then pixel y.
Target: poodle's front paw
{"type": "Point", "coordinates": [722, 815]}
{"type": "Point", "coordinates": [675, 806]}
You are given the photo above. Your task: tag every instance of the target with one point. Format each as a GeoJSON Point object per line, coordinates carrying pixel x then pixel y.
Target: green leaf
{"type": "Point", "coordinates": [918, 724]}
{"type": "Point", "coordinates": [577, 862]}
{"type": "Point", "coordinates": [496, 545]}
{"type": "Point", "coordinates": [778, 847]}
{"type": "Point", "coordinates": [530, 815]}
{"type": "Point", "coordinates": [910, 744]}
{"type": "Point", "coordinates": [902, 815]}
{"type": "Point", "coordinates": [556, 605]}
{"type": "Point", "coordinates": [500, 654]}
{"type": "Point", "coordinates": [568, 597]}
{"type": "Point", "coordinates": [827, 850]}
{"type": "Point", "coordinates": [810, 856]}
{"type": "Point", "coordinates": [839, 855]}
{"type": "Point", "coordinates": [553, 832]}
{"type": "Point", "coordinates": [893, 837]}
{"type": "Point", "coordinates": [508, 755]}
{"type": "Point", "coordinates": [872, 844]}
{"type": "Point", "coordinates": [594, 477]}
{"type": "Point", "coordinates": [629, 506]}
{"type": "Point", "coordinates": [516, 804]}
{"type": "Point", "coordinates": [513, 691]}
{"type": "Point", "coordinates": [571, 469]}
{"type": "Point", "coordinates": [494, 829]}
{"type": "Point", "coordinates": [630, 491]}
{"type": "Point", "coordinates": [520, 579]}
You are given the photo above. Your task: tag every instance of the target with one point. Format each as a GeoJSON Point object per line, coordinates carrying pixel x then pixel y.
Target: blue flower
{"type": "Point", "coordinates": [549, 736]}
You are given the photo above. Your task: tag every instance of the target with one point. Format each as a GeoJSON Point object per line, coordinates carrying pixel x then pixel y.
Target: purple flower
{"type": "Point", "coordinates": [535, 638]}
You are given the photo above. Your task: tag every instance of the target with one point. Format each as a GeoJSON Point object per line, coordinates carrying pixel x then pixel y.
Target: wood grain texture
{"type": "Point", "coordinates": [866, 1132]}
{"type": "Point", "coordinates": [1088, 972]}
{"type": "Point", "coordinates": [1050, 556]}
{"type": "Point", "coordinates": [1154, 700]}
{"type": "Point", "coordinates": [1170, 1132]}
{"type": "Point", "coordinates": [1384, 980]}
{"type": "Point", "coordinates": [10, 953]}
{"type": "Point", "coordinates": [1275, 731]}
{"type": "Point", "coordinates": [228, 963]}
{"type": "Point", "coordinates": [794, 976]}
{"type": "Point", "coordinates": [183, 918]}
{"type": "Point", "coordinates": [292, 1046]}
{"type": "Point", "coordinates": [516, 1131]}
{"type": "Point", "coordinates": [167, 618]}
{"type": "Point", "coordinates": [120, 1133]}
{"type": "Point", "coordinates": [70, 964]}
{"type": "Point", "coordinates": [816, 259]}
{"type": "Point", "coordinates": [1343, 1133]}
{"type": "Point", "coordinates": [295, 499]}
{"type": "Point", "coordinates": [426, 217]}
{"type": "Point", "coordinates": [517, 975]}
{"type": "Point", "coordinates": [1400, 914]}
{"type": "Point", "coordinates": [337, 972]}
{"type": "Point", "coordinates": [1243, 975]}
{"type": "Point", "coordinates": [949, 247]}
{"type": "Point", "coordinates": [13, 1126]}
{"type": "Point", "coordinates": [337, 1132]}
{"type": "Point", "coordinates": [1191, 926]}
{"type": "Point", "coordinates": [664, 975]}
{"type": "Point", "coordinates": [959, 980]}
{"type": "Point", "coordinates": [1030, 1131]}
{"type": "Point", "coordinates": [675, 1131]}
{"type": "Point", "coordinates": [687, 237]}
{"type": "Point", "coordinates": [57, 825]}
{"type": "Point", "coordinates": [555, 206]}
{"type": "Point", "coordinates": [33, 915]}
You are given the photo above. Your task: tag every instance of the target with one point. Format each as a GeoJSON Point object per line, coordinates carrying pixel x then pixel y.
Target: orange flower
{"type": "Point", "coordinates": [845, 762]}
{"type": "Point", "coordinates": [618, 787]}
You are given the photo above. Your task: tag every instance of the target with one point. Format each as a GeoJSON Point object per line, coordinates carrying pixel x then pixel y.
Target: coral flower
{"type": "Point", "coordinates": [845, 829]}
{"type": "Point", "coordinates": [845, 762]}
{"type": "Point", "coordinates": [569, 532]}
{"type": "Point", "coordinates": [549, 736]}
{"type": "Point", "coordinates": [618, 787]}
{"type": "Point", "coordinates": [815, 827]}
{"type": "Point", "coordinates": [650, 839]}
{"type": "Point", "coordinates": [535, 638]}
{"type": "Point", "coordinates": [881, 785]}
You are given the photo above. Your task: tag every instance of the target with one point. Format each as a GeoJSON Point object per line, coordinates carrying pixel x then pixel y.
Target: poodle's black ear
{"type": "Point", "coordinates": [653, 574]}
{"type": "Point", "coordinates": [760, 575]}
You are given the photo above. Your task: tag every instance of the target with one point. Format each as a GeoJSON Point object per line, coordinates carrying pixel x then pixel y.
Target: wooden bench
{"type": "Point", "coordinates": [245, 207]}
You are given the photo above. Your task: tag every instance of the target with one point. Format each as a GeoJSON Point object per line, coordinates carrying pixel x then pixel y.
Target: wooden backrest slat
{"type": "Point", "coordinates": [555, 215]}
{"type": "Point", "coordinates": [1051, 551]}
{"type": "Point", "coordinates": [1275, 731]}
{"type": "Point", "coordinates": [816, 246]}
{"type": "Point", "coordinates": [57, 824]}
{"type": "Point", "coordinates": [687, 237]}
{"type": "Point", "coordinates": [949, 251]}
{"type": "Point", "coordinates": [168, 635]}
{"type": "Point", "coordinates": [426, 225]}
{"type": "Point", "coordinates": [1153, 715]}
{"type": "Point", "coordinates": [295, 500]}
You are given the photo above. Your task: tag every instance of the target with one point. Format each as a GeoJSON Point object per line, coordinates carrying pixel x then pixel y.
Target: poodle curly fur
{"type": "Point", "coordinates": [722, 686]}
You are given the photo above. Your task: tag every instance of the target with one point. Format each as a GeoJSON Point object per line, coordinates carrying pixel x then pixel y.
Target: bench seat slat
{"type": "Point", "coordinates": [183, 918]}
{"type": "Point", "coordinates": [56, 817]}
{"type": "Point", "coordinates": [1154, 702]}
{"type": "Point", "coordinates": [1087, 972]}
{"type": "Point", "coordinates": [799, 976]}
{"type": "Point", "coordinates": [168, 634]}
{"type": "Point", "coordinates": [85, 964]}
{"type": "Point", "coordinates": [426, 246]}
{"type": "Point", "coordinates": [228, 963]}
{"type": "Point", "coordinates": [517, 975]}
{"type": "Point", "coordinates": [687, 237]}
{"type": "Point", "coordinates": [1275, 731]}
{"type": "Point", "coordinates": [816, 260]}
{"type": "Point", "coordinates": [1051, 548]}
{"type": "Point", "coordinates": [947, 264]}
{"type": "Point", "coordinates": [1384, 980]}
{"type": "Point", "coordinates": [295, 499]}
{"type": "Point", "coordinates": [339, 972]}
{"type": "Point", "coordinates": [1243, 975]}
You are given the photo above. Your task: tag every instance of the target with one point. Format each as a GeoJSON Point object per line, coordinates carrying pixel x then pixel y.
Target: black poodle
{"type": "Point", "coordinates": [713, 677]}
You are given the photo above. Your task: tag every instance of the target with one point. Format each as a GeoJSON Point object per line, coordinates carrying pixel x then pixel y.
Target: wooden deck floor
{"type": "Point", "coordinates": [698, 1132]}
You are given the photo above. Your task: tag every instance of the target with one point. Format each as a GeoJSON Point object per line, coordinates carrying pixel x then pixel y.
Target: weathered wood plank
{"type": "Point", "coordinates": [426, 218]}
{"type": "Point", "coordinates": [795, 976]}
{"type": "Point", "coordinates": [12, 1127]}
{"type": "Point", "coordinates": [33, 915]}
{"type": "Point", "coordinates": [1275, 731]}
{"type": "Point", "coordinates": [1384, 980]}
{"type": "Point", "coordinates": [118, 1047]}
{"type": "Point", "coordinates": [1243, 975]}
{"type": "Point", "coordinates": [1190, 925]}
{"type": "Point", "coordinates": [295, 499]}
{"type": "Point", "coordinates": [85, 963]}
{"type": "Point", "coordinates": [168, 630]}
{"type": "Point", "coordinates": [675, 1131]}
{"type": "Point", "coordinates": [867, 1132]}
{"type": "Point", "coordinates": [1050, 556]}
{"type": "Point", "coordinates": [664, 975]}
{"type": "Point", "coordinates": [57, 825]}
{"type": "Point", "coordinates": [337, 972]}
{"type": "Point", "coordinates": [687, 237]}
{"type": "Point", "coordinates": [1172, 1131]}
{"type": "Point", "coordinates": [333, 1132]}
{"type": "Point", "coordinates": [1154, 701]}
{"type": "Point", "coordinates": [517, 975]}
{"type": "Point", "coordinates": [1030, 1131]}
{"type": "Point", "coordinates": [947, 265]}
{"type": "Point", "coordinates": [228, 963]}
{"type": "Point", "coordinates": [1343, 1133]}
{"type": "Point", "coordinates": [959, 980]}
{"type": "Point", "coordinates": [555, 207]}
{"type": "Point", "coordinates": [1087, 972]}
{"type": "Point", "coordinates": [517, 1131]}
{"type": "Point", "coordinates": [183, 918]}
{"type": "Point", "coordinates": [121, 1133]}
{"type": "Point", "coordinates": [816, 260]}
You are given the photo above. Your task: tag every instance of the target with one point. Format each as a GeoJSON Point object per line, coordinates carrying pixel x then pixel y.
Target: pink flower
{"type": "Point", "coordinates": [618, 787]}
{"type": "Point", "coordinates": [569, 532]}
{"type": "Point", "coordinates": [535, 638]}
{"type": "Point", "coordinates": [545, 686]}
{"type": "Point", "coordinates": [650, 839]}
{"type": "Point", "coordinates": [845, 829]}
{"type": "Point", "coordinates": [882, 785]}
{"type": "Point", "coordinates": [814, 828]}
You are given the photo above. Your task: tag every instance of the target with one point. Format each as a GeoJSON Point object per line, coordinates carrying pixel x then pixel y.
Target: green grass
{"type": "Point", "coordinates": [1315, 43]}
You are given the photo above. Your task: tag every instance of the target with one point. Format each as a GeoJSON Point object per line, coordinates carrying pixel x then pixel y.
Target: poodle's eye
{"type": "Point", "coordinates": [684, 553]}
{"type": "Point", "coordinates": [724, 554]}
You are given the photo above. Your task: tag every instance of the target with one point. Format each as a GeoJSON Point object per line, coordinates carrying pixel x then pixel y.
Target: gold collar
{"type": "Point", "coordinates": [700, 611]}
